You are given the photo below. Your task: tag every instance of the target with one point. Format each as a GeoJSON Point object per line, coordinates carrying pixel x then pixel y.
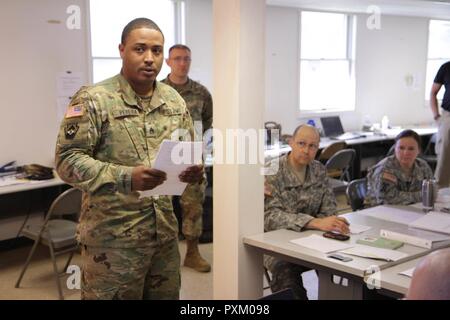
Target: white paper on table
{"type": "Point", "coordinates": [433, 221]}
{"type": "Point", "coordinates": [392, 214]}
{"type": "Point", "coordinates": [408, 273]}
{"type": "Point", "coordinates": [374, 253]}
{"type": "Point", "coordinates": [9, 181]}
{"type": "Point", "coordinates": [173, 158]}
{"type": "Point", "coordinates": [357, 228]}
{"type": "Point", "coordinates": [321, 244]}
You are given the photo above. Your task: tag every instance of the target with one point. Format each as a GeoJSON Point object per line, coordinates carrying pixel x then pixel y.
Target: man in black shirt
{"type": "Point", "coordinates": [443, 120]}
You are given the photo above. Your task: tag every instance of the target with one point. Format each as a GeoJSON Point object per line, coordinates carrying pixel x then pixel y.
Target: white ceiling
{"type": "Point", "coordinates": [416, 8]}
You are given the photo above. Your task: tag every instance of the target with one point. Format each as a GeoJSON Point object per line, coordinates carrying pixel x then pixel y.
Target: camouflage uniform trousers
{"type": "Point", "coordinates": [191, 202]}
{"type": "Point", "coordinates": [149, 273]}
{"type": "Point", "coordinates": [288, 275]}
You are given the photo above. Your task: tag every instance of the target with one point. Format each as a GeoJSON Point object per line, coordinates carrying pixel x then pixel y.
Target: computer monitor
{"type": "Point", "coordinates": [332, 126]}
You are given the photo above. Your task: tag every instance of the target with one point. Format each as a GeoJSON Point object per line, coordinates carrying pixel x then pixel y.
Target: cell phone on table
{"type": "Point", "coordinates": [339, 257]}
{"type": "Point", "coordinates": [336, 236]}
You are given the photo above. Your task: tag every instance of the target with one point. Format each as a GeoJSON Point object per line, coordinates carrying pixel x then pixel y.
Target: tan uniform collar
{"type": "Point", "coordinates": [129, 95]}
{"type": "Point", "coordinates": [186, 86]}
{"type": "Point", "coordinates": [291, 178]}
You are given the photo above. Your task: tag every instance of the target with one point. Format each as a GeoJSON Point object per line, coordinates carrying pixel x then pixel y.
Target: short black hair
{"type": "Point", "coordinates": [408, 133]}
{"type": "Point", "coordinates": [137, 24]}
{"type": "Point", "coordinates": [179, 46]}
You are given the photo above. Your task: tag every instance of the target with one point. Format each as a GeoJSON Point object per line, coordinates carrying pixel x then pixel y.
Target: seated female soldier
{"type": "Point", "coordinates": [397, 179]}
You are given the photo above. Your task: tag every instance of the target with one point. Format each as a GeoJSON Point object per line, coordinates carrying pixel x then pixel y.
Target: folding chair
{"type": "Point", "coordinates": [57, 232]}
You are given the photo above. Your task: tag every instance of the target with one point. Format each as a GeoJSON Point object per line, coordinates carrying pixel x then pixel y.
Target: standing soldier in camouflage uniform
{"type": "Point", "coordinates": [298, 197]}
{"type": "Point", "coordinates": [199, 102]}
{"type": "Point", "coordinates": [107, 142]}
{"type": "Point", "coordinates": [397, 179]}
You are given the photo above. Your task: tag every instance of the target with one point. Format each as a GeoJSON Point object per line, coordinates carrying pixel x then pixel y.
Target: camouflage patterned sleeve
{"type": "Point", "coordinates": [79, 134]}
{"type": "Point", "coordinates": [385, 190]}
{"type": "Point", "coordinates": [277, 214]}
{"type": "Point", "coordinates": [329, 206]}
{"type": "Point", "coordinates": [207, 113]}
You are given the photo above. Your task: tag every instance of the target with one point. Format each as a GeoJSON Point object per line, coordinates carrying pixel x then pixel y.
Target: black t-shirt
{"type": "Point", "coordinates": [443, 77]}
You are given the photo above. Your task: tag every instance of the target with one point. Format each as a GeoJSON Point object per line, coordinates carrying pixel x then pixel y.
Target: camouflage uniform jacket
{"type": "Point", "coordinates": [198, 101]}
{"type": "Point", "coordinates": [107, 131]}
{"type": "Point", "coordinates": [388, 184]}
{"type": "Point", "coordinates": [292, 204]}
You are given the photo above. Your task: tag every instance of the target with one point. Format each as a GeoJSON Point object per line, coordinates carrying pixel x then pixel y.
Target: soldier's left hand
{"type": "Point", "coordinates": [192, 174]}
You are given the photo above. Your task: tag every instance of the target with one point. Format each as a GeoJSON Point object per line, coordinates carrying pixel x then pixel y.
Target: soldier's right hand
{"type": "Point", "coordinates": [331, 223]}
{"type": "Point", "coordinates": [145, 178]}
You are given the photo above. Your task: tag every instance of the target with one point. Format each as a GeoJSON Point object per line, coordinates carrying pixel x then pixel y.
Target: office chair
{"type": "Point", "coordinates": [341, 161]}
{"type": "Point", "coordinates": [356, 192]}
{"type": "Point", "coordinates": [57, 232]}
{"type": "Point", "coordinates": [328, 152]}
{"type": "Point", "coordinates": [429, 154]}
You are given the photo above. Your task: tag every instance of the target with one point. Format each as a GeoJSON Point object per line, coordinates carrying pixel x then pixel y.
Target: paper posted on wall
{"type": "Point", "coordinates": [173, 158]}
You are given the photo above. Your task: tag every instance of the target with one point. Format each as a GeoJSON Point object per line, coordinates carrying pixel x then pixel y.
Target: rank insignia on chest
{"type": "Point", "coordinates": [71, 130]}
{"type": "Point", "coordinates": [149, 131]}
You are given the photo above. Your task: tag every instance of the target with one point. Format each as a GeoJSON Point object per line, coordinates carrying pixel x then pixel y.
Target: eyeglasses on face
{"type": "Point", "coordinates": [303, 145]}
{"type": "Point", "coordinates": [180, 59]}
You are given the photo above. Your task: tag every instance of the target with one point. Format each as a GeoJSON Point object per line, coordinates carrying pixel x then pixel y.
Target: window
{"type": "Point", "coordinates": [438, 52]}
{"type": "Point", "coordinates": [107, 20]}
{"type": "Point", "coordinates": [327, 64]}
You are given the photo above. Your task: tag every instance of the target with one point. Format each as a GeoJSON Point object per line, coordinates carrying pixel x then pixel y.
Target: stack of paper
{"type": "Point", "coordinates": [408, 273]}
{"type": "Point", "coordinates": [173, 158]}
{"type": "Point", "coordinates": [420, 238]}
{"type": "Point", "coordinates": [357, 229]}
{"type": "Point", "coordinates": [392, 214]}
{"type": "Point", "coordinates": [321, 244]}
{"type": "Point", "coordinates": [374, 253]}
{"type": "Point", "coordinates": [433, 221]}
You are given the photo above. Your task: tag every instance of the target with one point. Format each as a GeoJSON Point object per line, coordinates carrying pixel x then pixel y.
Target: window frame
{"type": "Point", "coordinates": [179, 36]}
{"type": "Point", "coordinates": [350, 57]}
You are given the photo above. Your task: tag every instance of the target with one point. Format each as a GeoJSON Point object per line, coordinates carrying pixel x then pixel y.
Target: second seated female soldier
{"type": "Point", "coordinates": [397, 179]}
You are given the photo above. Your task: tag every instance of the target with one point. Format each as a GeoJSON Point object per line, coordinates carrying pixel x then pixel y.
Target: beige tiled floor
{"type": "Point", "coordinates": [38, 282]}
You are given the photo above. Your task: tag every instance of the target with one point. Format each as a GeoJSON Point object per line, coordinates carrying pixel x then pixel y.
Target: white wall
{"type": "Point", "coordinates": [33, 52]}
{"type": "Point", "coordinates": [383, 59]}
{"type": "Point", "coordinates": [199, 37]}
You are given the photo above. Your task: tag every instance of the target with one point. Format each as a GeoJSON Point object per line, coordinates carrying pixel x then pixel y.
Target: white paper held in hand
{"type": "Point", "coordinates": [173, 158]}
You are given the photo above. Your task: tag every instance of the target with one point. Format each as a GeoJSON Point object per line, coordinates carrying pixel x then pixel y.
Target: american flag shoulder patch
{"type": "Point", "coordinates": [74, 111]}
{"type": "Point", "coordinates": [390, 177]}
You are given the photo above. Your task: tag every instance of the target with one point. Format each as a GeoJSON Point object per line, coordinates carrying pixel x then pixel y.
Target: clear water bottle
{"type": "Point", "coordinates": [385, 123]}
{"type": "Point", "coordinates": [429, 194]}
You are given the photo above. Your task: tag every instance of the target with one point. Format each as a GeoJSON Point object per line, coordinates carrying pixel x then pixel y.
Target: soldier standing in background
{"type": "Point", "coordinates": [107, 141]}
{"type": "Point", "coordinates": [199, 102]}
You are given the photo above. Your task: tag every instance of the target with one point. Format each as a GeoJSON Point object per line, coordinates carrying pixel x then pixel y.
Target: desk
{"type": "Point", "coordinates": [390, 282]}
{"type": "Point", "coordinates": [26, 201]}
{"type": "Point", "coordinates": [277, 243]}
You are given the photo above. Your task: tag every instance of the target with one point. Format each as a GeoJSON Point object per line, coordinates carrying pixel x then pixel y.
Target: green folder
{"type": "Point", "coordinates": [380, 242]}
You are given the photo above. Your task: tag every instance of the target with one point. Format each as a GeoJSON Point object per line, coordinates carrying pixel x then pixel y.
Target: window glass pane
{"type": "Point", "coordinates": [105, 68]}
{"type": "Point", "coordinates": [323, 35]}
{"type": "Point", "coordinates": [326, 85]}
{"type": "Point", "coordinates": [439, 39]}
{"type": "Point", "coordinates": [109, 17]}
{"type": "Point", "coordinates": [432, 69]}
